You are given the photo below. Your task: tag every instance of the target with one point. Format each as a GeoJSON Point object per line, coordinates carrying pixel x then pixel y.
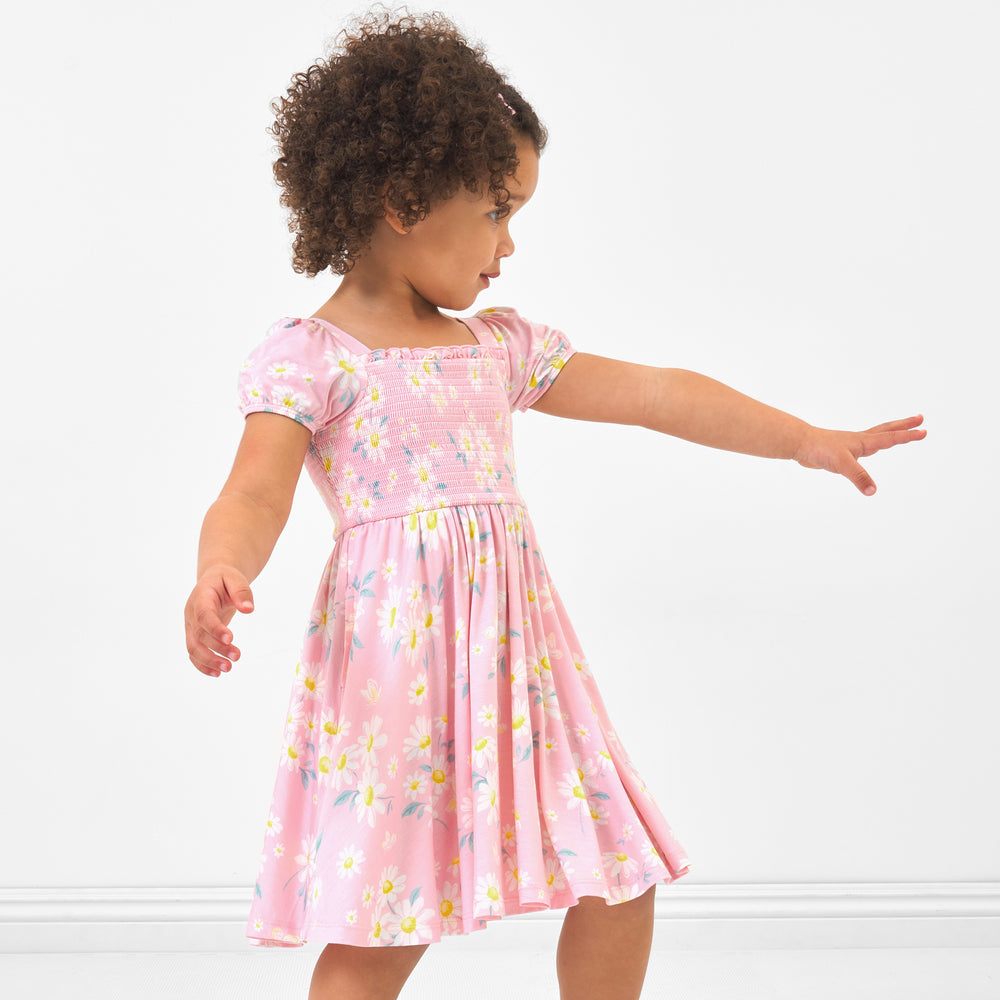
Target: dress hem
{"type": "Point", "coordinates": [458, 927]}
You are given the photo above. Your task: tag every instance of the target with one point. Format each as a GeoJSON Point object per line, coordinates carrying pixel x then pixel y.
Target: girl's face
{"type": "Point", "coordinates": [449, 257]}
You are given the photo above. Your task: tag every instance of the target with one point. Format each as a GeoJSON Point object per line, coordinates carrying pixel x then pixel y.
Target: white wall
{"type": "Point", "coordinates": [797, 198]}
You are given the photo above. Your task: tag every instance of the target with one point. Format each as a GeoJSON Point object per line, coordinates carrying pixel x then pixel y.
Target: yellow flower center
{"type": "Point", "coordinates": [545, 663]}
{"type": "Point", "coordinates": [531, 595]}
{"type": "Point", "coordinates": [432, 519]}
{"type": "Point", "coordinates": [386, 887]}
{"type": "Point", "coordinates": [293, 753]}
{"type": "Point", "coordinates": [517, 722]}
{"type": "Point", "coordinates": [446, 907]}
{"type": "Point", "coordinates": [324, 764]}
{"type": "Point", "coordinates": [408, 925]}
{"type": "Point", "coordinates": [348, 862]}
{"type": "Point", "coordinates": [550, 878]}
{"type": "Point", "coordinates": [377, 930]}
{"type": "Point", "coordinates": [492, 893]}
{"type": "Point", "coordinates": [420, 689]}
{"type": "Point", "coordinates": [374, 439]}
{"type": "Point", "coordinates": [342, 762]}
{"type": "Point", "coordinates": [423, 475]}
{"type": "Point", "coordinates": [369, 795]}
{"type": "Point", "coordinates": [425, 741]}
{"type": "Point", "coordinates": [579, 792]}
{"type": "Point", "coordinates": [437, 776]}
{"type": "Point", "coordinates": [330, 728]}
{"type": "Point", "coordinates": [429, 620]}
{"type": "Point", "coordinates": [481, 743]}
{"type": "Point", "coordinates": [392, 617]}
{"type": "Point", "coordinates": [579, 774]}
{"type": "Point", "coordinates": [621, 857]}
{"type": "Point", "coordinates": [371, 743]}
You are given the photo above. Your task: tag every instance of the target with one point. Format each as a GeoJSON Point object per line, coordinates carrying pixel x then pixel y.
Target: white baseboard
{"type": "Point", "coordinates": [693, 916]}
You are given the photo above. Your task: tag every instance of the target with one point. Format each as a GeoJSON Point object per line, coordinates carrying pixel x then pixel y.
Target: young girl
{"type": "Point", "coordinates": [446, 758]}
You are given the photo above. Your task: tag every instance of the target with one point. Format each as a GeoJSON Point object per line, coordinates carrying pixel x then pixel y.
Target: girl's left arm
{"type": "Point", "coordinates": [699, 409]}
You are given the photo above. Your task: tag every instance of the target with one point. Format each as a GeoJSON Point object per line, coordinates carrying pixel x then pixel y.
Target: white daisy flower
{"type": "Point", "coordinates": [618, 864]}
{"type": "Point", "coordinates": [282, 369]}
{"type": "Point", "coordinates": [391, 884]}
{"type": "Point", "coordinates": [349, 862]}
{"type": "Point", "coordinates": [411, 922]}
{"type": "Point", "coordinates": [370, 803]}
{"type": "Point", "coordinates": [418, 690]}
{"type": "Point", "coordinates": [418, 743]}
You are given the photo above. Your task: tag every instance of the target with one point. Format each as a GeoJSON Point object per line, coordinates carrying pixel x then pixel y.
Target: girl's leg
{"type": "Point", "coordinates": [603, 950]}
{"type": "Point", "coordinates": [345, 972]}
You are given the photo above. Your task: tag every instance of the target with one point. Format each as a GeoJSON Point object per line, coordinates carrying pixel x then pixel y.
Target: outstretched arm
{"type": "Point", "coordinates": [699, 409]}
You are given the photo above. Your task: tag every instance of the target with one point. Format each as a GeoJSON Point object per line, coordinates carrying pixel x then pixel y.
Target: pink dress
{"type": "Point", "coordinates": [446, 757]}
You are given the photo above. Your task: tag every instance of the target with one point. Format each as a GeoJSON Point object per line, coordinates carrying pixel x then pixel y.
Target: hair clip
{"type": "Point", "coordinates": [506, 105]}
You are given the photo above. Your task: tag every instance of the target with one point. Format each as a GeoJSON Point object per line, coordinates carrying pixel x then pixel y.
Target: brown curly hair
{"type": "Point", "coordinates": [404, 113]}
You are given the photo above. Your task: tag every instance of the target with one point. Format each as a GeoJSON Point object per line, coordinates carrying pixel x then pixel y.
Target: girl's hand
{"type": "Point", "coordinates": [217, 596]}
{"type": "Point", "coordinates": [839, 451]}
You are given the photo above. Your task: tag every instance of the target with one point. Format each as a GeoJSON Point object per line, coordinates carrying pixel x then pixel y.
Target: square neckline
{"type": "Point", "coordinates": [364, 350]}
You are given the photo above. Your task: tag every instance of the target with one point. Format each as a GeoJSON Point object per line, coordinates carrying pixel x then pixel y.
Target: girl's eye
{"type": "Point", "coordinates": [494, 215]}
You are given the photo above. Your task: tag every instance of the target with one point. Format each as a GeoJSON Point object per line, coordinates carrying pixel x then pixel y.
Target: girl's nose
{"type": "Point", "coordinates": [506, 246]}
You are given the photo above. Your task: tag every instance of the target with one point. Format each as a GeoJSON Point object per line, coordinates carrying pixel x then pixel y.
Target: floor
{"type": "Point", "coordinates": [855, 974]}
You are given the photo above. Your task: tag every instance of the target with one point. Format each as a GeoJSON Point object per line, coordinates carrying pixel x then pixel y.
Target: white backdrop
{"type": "Point", "coordinates": [799, 199]}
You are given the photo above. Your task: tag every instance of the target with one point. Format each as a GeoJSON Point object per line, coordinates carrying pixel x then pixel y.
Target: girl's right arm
{"type": "Point", "coordinates": [239, 533]}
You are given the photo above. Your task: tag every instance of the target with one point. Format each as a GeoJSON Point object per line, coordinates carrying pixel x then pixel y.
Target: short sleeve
{"type": "Point", "coordinates": [301, 371]}
{"type": "Point", "coordinates": [536, 354]}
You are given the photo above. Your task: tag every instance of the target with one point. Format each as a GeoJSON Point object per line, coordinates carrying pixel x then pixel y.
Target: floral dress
{"type": "Point", "coordinates": [446, 757]}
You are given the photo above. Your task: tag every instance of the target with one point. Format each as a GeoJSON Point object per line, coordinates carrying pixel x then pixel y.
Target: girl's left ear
{"type": "Point", "coordinates": [391, 216]}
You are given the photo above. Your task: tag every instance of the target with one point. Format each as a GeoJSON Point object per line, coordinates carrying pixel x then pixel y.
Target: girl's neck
{"type": "Point", "coordinates": [378, 320]}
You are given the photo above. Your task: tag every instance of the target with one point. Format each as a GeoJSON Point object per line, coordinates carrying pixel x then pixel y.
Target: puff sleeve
{"type": "Point", "coordinates": [301, 371]}
{"type": "Point", "coordinates": [536, 354]}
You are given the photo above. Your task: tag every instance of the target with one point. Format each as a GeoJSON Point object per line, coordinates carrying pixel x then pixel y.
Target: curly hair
{"type": "Point", "coordinates": [404, 114]}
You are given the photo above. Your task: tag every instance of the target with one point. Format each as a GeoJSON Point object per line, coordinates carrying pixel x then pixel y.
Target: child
{"type": "Point", "coordinates": [447, 758]}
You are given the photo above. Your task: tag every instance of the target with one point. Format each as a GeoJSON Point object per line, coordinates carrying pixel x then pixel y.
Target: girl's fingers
{"type": "Point", "coordinates": [907, 423]}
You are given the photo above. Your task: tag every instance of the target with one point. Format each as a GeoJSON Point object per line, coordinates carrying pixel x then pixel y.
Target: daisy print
{"type": "Point", "coordinates": [488, 803]}
{"type": "Point", "coordinates": [349, 862]}
{"type": "Point", "coordinates": [618, 864]}
{"type": "Point", "coordinates": [488, 716]}
{"type": "Point", "coordinates": [418, 743]}
{"type": "Point", "coordinates": [391, 884]}
{"type": "Point", "coordinates": [389, 570]}
{"type": "Point", "coordinates": [371, 800]}
{"type": "Point", "coordinates": [310, 681]}
{"type": "Point", "coordinates": [344, 769]}
{"type": "Point", "coordinates": [371, 740]}
{"type": "Point", "coordinates": [450, 906]}
{"type": "Point", "coordinates": [598, 811]}
{"type": "Point", "coordinates": [290, 400]}
{"type": "Point", "coordinates": [555, 875]}
{"type": "Point", "coordinates": [390, 617]}
{"type": "Point", "coordinates": [488, 895]}
{"type": "Point", "coordinates": [516, 879]}
{"type": "Point", "coordinates": [416, 783]}
{"type": "Point", "coordinates": [438, 775]}
{"type": "Point", "coordinates": [411, 640]}
{"type": "Point", "coordinates": [331, 728]}
{"type": "Point", "coordinates": [410, 924]}
{"type": "Point", "coordinates": [282, 369]}
{"type": "Point", "coordinates": [571, 788]}
{"type": "Point", "coordinates": [418, 689]}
